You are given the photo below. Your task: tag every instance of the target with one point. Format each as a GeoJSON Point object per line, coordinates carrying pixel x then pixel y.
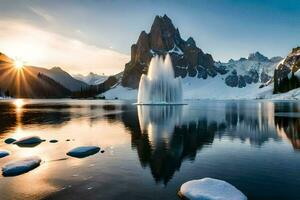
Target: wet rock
{"type": "Point", "coordinates": [21, 166]}
{"type": "Point", "coordinates": [83, 151]}
{"type": "Point", "coordinates": [102, 151]}
{"type": "Point", "coordinates": [53, 141]}
{"type": "Point", "coordinates": [3, 153]}
{"type": "Point", "coordinates": [30, 141]}
{"type": "Point", "coordinates": [210, 189]}
{"type": "Point", "coordinates": [9, 140]}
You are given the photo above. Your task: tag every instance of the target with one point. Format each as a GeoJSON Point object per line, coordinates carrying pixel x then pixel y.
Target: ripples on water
{"type": "Point", "coordinates": [153, 149]}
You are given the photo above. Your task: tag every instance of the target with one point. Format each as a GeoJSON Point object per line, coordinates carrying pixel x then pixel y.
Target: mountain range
{"type": "Point", "coordinates": [256, 76]}
{"type": "Point", "coordinates": [202, 76]}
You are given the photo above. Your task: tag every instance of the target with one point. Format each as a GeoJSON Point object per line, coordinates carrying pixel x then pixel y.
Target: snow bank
{"type": "Point", "coordinates": [210, 189]}
{"type": "Point", "coordinates": [84, 151]}
{"type": "Point", "coordinates": [120, 92]}
{"type": "Point", "coordinates": [21, 166]}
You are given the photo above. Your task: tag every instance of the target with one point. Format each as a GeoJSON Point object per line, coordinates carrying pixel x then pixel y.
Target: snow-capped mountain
{"type": "Point", "coordinates": [202, 77]}
{"type": "Point", "coordinates": [91, 78]}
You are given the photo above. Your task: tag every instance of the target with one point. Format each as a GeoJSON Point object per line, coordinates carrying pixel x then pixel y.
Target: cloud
{"type": "Point", "coordinates": [42, 13]}
{"type": "Point", "coordinates": [46, 49]}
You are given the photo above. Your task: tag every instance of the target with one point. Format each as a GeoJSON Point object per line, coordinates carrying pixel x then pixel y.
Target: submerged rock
{"type": "Point", "coordinates": [210, 189]}
{"type": "Point", "coordinates": [84, 151]}
{"type": "Point", "coordinates": [9, 140]}
{"type": "Point", "coordinates": [53, 141]}
{"type": "Point", "coordinates": [29, 141]}
{"type": "Point", "coordinates": [3, 153]}
{"type": "Point", "coordinates": [21, 166]}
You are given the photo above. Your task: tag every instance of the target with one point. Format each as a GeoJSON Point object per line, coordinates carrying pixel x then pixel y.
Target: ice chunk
{"type": "Point", "coordinates": [21, 166]}
{"type": "Point", "coordinates": [83, 151]}
{"type": "Point", "coordinates": [210, 189]}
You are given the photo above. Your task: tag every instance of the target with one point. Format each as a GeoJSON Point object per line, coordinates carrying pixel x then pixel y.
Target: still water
{"type": "Point", "coordinates": [151, 150]}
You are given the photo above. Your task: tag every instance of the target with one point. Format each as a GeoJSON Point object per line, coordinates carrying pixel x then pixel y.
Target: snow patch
{"type": "Point", "coordinates": [210, 189]}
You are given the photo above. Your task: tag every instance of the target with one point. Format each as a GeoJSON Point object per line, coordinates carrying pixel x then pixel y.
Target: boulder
{"type": "Point", "coordinates": [3, 153]}
{"type": "Point", "coordinates": [29, 141]}
{"type": "Point", "coordinates": [83, 151]}
{"type": "Point", "coordinates": [9, 140]}
{"type": "Point", "coordinates": [21, 166]}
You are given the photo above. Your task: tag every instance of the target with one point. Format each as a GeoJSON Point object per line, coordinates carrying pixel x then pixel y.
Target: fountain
{"type": "Point", "coordinates": [159, 86]}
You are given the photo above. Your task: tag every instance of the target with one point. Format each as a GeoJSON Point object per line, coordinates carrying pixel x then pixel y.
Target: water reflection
{"type": "Point", "coordinates": [161, 137]}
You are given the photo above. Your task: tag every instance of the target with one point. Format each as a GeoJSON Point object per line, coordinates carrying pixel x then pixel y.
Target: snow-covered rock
{"type": "Point", "coordinates": [91, 78]}
{"type": "Point", "coordinates": [21, 166]}
{"type": "Point", "coordinates": [29, 141]}
{"type": "Point", "coordinates": [210, 189]}
{"type": "Point", "coordinates": [83, 151]}
{"type": "Point", "coordinates": [3, 153]}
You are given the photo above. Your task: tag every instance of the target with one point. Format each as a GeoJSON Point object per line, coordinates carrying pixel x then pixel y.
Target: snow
{"type": "Point", "coordinates": [21, 166]}
{"type": "Point", "coordinates": [194, 88]}
{"type": "Point", "coordinates": [176, 50]}
{"type": "Point", "coordinates": [3, 153]}
{"type": "Point", "coordinates": [120, 92]}
{"type": "Point", "coordinates": [30, 140]}
{"type": "Point", "coordinates": [210, 189]}
{"type": "Point", "coordinates": [83, 151]}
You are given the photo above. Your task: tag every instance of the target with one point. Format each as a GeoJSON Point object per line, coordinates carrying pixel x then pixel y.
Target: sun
{"type": "Point", "coordinates": [19, 64]}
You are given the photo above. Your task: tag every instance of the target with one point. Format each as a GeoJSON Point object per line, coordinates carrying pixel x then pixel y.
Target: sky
{"type": "Point", "coordinates": [83, 36]}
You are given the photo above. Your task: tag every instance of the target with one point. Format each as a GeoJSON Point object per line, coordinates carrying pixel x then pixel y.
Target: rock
{"type": "Point", "coordinates": [3, 153]}
{"type": "Point", "coordinates": [53, 141]}
{"type": "Point", "coordinates": [258, 57]}
{"type": "Point", "coordinates": [102, 151]}
{"type": "Point", "coordinates": [210, 189]}
{"type": "Point", "coordinates": [68, 140]}
{"type": "Point", "coordinates": [21, 166]}
{"type": "Point", "coordinates": [284, 79]}
{"type": "Point", "coordinates": [9, 140]}
{"type": "Point", "coordinates": [241, 82]}
{"type": "Point", "coordinates": [164, 38]}
{"type": "Point", "coordinates": [83, 151]}
{"type": "Point", "coordinates": [232, 80]}
{"type": "Point", "coordinates": [29, 141]}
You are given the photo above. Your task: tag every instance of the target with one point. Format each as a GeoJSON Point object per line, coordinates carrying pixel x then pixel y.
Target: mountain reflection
{"type": "Point", "coordinates": [165, 136]}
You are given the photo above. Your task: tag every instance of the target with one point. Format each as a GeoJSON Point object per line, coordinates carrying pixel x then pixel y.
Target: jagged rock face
{"type": "Point", "coordinates": [257, 68]}
{"type": "Point", "coordinates": [286, 75]}
{"type": "Point", "coordinates": [187, 58]}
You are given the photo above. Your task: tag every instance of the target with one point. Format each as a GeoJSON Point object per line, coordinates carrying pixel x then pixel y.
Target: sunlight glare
{"type": "Point", "coordinates": [19, 103]}
{"type": "Point", "coordinates": [18, 64]}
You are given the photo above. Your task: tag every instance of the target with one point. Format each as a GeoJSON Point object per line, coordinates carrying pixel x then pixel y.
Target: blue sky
{"type": "Point", "coordinates": [225, 28]}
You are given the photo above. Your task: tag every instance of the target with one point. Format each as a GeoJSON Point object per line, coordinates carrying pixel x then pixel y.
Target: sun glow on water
{"type": "Point", "coordinates": [19, 103]}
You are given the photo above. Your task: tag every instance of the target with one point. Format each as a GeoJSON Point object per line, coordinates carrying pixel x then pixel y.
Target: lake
{"type": "Point", "coordinates": [151, 150]}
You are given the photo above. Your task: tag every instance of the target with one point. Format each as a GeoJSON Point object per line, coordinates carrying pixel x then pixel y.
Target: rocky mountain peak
{"type": "Point", "coordinates": [258, 57]}
{"type": "Point", "coordinates": [163, 38]}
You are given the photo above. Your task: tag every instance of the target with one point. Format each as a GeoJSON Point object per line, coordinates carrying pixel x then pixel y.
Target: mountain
{"type": "Point", "coordinates": [202, 77]}
{"type": "Point", "coordinates": [28, 83]}
{"type": "Point", "coordinates": [60, 76]}
{"type": "Point", "coordinates": [287, 74]}
{"type": "Point", "coordinates": [91, 78]}
{"type": "Point", "coordinates": [256, 69]}
{"type": "Point", "coordinates": [187, 58]}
